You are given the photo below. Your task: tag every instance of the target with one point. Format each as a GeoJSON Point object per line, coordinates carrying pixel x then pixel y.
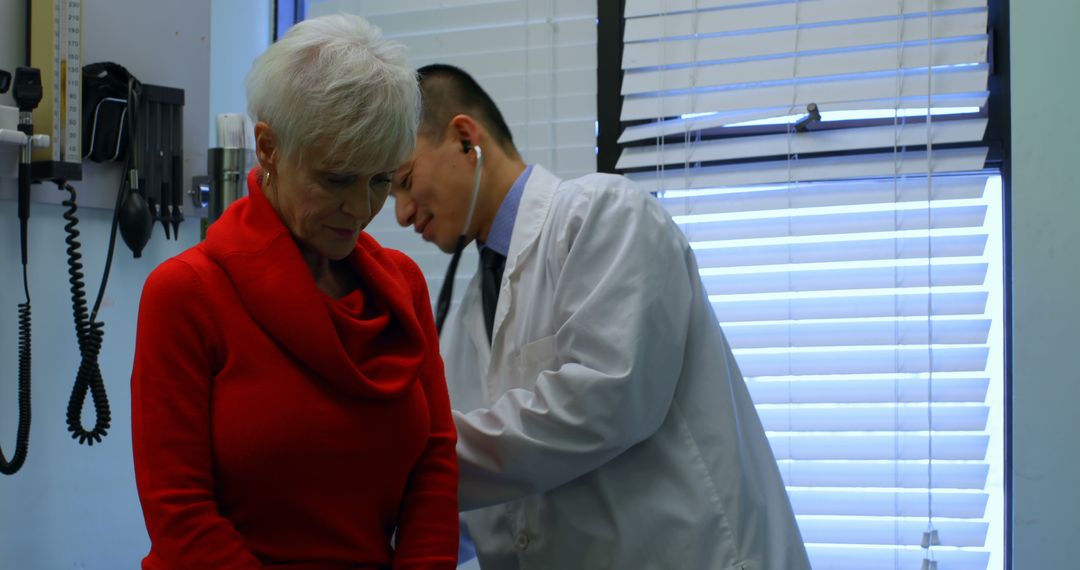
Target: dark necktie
{"type": "Point", "coordinates": [492, 264]}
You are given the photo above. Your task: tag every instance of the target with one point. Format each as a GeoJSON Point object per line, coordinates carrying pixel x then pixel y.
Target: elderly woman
{"type": "Point", "coordinates": [288, 400]}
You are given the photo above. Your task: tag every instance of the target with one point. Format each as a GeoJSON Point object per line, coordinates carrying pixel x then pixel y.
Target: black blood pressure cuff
{"type": "Point", "coordinates": [104, 111]}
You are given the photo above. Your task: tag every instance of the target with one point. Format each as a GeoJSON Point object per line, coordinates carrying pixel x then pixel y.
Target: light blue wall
{"type": "Point", "coordinates": [74, 506]}
{"type": "Point", "coordinates": [239, 32]}
{"type": "Point", "coordinates": [11, 43]}
{"type": "Point", "coordinates": [71, 506]}
{"type": "Point", "coordinates": [1046, 282]}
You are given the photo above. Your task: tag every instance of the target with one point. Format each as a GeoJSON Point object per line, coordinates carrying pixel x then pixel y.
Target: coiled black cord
{"type": "Point", "coordinates": [22, 437]}
{"type": "Point", "coordinates": [90, 334]}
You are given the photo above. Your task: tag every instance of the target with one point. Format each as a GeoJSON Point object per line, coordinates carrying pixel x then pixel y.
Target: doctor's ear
{"type": "Point", "coordinates": [466, 131]}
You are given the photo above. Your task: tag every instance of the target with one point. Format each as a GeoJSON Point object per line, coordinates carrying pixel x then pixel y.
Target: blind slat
{"type": "Point", "coordinates": [786, 98]}
{"type": "Point", "coordinates": [506, 84]}
{"type": "Point", "coordinates": [888, 164]}
{"type": "Point", "coordinates": [947, 474]}
{"type": "Point", "coordinates": [878, 108]}
{"type": "Point", "coordinates": [688, 125]}
{"type": "Point", "coordinates": [845, 305]}
{"type": "Point", "coordinates": [874, 360]}
{"type": "Point", "coordinates": [839, 557]}
{"type": "Point", "coordinates": [814, 223]}
{"type": "Point", "coordinates": [536, 59]}
{"type": "Point", "coordinates": [758, 18]}
{"type": "Point", "coordinates": [638, 8]}
{"type": "Point", "coordinates": [831, 193]}
{"type": "Point", "coordinates": [811, 39]}
{"type": "Point", "coordinates": [867, 389]}
{"type": "Point", "coordinates": [885, 503]}
{"type": "Point", "coordinates": [878, 446]}
{"type": "Point", "coordinates": [401, 19]}
{"type": "Point", "coordinates": [859, 332]}
{"type": "Point", "coordinates": [509, 36]}
{"type": "Point", "coordinates": [547, 133]}
{"type": "Point", "coordinates": [852, 278]}
{"type": "Point", "coordinates": [886, 530]}
{"type": "Point", "coordinates": [570, 107]}
{"type": "Point", "coordinates": [806, 143]}
{"type": "Point", "coordinates": [873, 417]}
{"type": "Point", "coordinates": [787, 69]}
{"type": "Point", "coordinates": [827, 251]}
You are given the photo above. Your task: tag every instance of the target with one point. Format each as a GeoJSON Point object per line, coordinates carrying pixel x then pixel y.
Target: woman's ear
{"type": "Point", "coordinates": [266, 147]}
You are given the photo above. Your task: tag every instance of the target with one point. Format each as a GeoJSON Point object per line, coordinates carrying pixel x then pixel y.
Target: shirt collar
{"type": "Point", "coordinates": [503, 226]}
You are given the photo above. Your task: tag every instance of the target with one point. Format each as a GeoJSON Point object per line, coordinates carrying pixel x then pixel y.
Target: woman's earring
{"type": "Point", "coordinates": [266, 183]}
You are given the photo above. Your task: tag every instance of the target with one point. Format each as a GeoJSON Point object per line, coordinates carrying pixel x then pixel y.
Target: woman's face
{"type": "Point", "coordinates": [324, 205]}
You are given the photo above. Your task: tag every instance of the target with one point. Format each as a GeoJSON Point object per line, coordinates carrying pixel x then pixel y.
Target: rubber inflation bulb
{"type": "Point", "coordinates": [136, 221]}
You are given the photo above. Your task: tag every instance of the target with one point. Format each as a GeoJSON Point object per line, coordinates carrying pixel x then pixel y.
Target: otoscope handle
{"type": "Point", "coordinates": [24, 205]}
{"type": "Point", "coordinates": [28, 92]}
{"type": "Point", "coordinates": [26, 126]}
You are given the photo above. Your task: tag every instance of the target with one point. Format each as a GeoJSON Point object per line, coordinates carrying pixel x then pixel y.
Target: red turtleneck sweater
{"type": "Point", "coordinates": [275, 426]}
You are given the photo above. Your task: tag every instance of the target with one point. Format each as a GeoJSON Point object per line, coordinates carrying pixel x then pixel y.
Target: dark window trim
{"type": "Point", "coordinates": [287, 13]}
{"type": "Point", "coordinates": [609, 34]}
{"type": "Point", "coordinates": [999, 135]}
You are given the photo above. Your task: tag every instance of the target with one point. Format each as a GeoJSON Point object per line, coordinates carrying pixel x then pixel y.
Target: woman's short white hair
{"type": "Point", "coordinates": [335, 80]}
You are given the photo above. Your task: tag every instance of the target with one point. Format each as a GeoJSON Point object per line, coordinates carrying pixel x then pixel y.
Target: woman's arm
{"type": "Point", "coordinates": [427, 535]}
{"type": "Point", "coordinates": [170, 409]}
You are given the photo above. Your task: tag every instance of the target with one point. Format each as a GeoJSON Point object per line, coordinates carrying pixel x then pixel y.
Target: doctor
{"type": "Point", "coordinates": [602, 420]}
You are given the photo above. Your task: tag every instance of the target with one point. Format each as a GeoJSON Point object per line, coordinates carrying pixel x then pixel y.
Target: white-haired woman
{"type": "Point", "coordinates": [288, 400]}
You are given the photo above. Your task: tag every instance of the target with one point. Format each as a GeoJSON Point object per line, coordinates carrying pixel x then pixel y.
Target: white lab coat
{"type": "Point", "coordinates": [609, 424]}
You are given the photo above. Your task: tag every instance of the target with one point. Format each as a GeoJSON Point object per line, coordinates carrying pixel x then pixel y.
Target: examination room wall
{"type": "Point", "coordinates": [73, 506]}
{"type": "Point", "coordinates": [1046, 282]}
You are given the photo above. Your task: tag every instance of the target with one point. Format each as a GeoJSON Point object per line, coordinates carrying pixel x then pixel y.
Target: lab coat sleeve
{"type": "Point", "coordinates": [621, 303]}
{"type": "Point", "coordinates": [170, 419]}
{"type": "Point", "coordinates": [427, 534]}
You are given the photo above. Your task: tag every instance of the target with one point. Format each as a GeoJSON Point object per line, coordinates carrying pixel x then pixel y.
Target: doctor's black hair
{"type": "Point", "coordinates": [447, 91]}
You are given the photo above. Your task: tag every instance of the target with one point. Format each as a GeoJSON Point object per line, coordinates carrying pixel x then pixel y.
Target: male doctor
{"type": "Point", "coordinates": [602, 421]}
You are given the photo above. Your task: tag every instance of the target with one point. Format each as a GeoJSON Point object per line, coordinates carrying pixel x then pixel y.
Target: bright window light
{"type": "Point", "coordinates": [825, 210]}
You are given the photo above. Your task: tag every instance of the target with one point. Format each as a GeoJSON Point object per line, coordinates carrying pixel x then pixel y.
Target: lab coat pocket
{"type": "Point", "coordinates": [534, 358]}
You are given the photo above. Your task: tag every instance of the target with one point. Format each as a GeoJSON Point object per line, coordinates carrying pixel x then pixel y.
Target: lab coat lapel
{"type": "Point", "coordinates": [531, 215]}
{"type": "Point", "coordinates": [472, 316]}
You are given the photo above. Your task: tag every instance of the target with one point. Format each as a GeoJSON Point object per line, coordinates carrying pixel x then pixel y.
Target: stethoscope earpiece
{"type": "Point", "coordinates": [466, 146]}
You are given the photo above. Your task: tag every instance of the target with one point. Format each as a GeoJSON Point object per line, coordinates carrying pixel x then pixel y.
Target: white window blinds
{"type": "Point", "coordinates": [537, 60]}
{"type": "Point", "coordinates": [856, 266]}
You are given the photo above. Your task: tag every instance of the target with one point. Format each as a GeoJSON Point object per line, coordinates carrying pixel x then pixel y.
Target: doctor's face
{"type": "Point", "coordinates": [433, 189]}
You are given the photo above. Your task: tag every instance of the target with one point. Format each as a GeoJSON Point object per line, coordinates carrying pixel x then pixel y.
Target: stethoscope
{"type": "Point", "coordinates": [447, 290]}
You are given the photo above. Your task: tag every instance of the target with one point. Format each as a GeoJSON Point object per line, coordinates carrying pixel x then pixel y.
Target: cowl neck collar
{"type": "Point", "coordinates": [367, 344]}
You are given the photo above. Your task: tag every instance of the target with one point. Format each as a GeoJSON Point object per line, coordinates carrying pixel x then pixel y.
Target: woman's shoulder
{"type": "Point", "coordinates": [190, 269]}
